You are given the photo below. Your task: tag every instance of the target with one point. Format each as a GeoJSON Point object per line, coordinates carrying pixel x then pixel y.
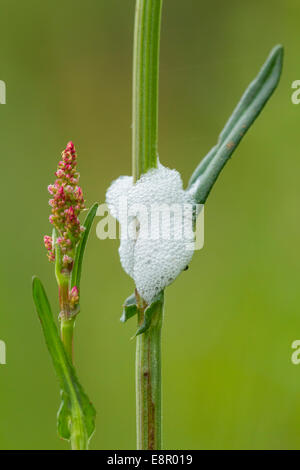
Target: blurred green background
{"type": "Point", "coordinates": [228, 380]}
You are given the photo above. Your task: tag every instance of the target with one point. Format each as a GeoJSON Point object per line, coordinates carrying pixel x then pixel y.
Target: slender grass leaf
{"type": "Point", "coordinates": [76, 406]}
{"type": "Point", "coordinates": [77, 267]}
{"type": "Point", "coordinates": [247, 110]}
{"type": "Point", "coordinates": [129, 308]}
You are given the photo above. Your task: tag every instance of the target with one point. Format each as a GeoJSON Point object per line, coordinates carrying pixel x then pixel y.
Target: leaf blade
{"type": "Point", "coordinates": [77, 266]}
{"type": "Point", "coordinates": [129, 308]}
{"type": "Point", "coordinates": [76, 405]}
{"type": "Point", "coordinates": [245, 113]}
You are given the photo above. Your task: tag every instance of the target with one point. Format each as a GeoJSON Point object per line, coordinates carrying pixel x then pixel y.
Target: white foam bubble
{"type": "Point", "coordinates": [152, 262]}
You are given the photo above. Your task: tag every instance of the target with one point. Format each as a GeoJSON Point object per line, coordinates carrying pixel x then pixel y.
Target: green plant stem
{"type": "Point", "coordinates": [79, 439]}
{"type": "Point", "coordinates": [148, 383]}
{"type": "Point", "coordinates": [144, 157]}
{"type": "Point", "coordinates": [145, 86]}
{"type": "Point", "coordinates": [63, 294]}
{"type": "Point", "coordinates": [67, 332]}
{"type": "Point", "coordinates": [67, 322]}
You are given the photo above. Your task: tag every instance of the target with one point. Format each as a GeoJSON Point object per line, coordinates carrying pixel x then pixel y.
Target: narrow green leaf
{"type": "Point", "coordinates": [247, 110]}
{"type": "Point", "coordinates": [76, 407]}
{"type": "Point", "coordinates": [58, 258]}
{"type": "Point", "coordinates": [77, 267]}
{"type": "Point", "coordinates": [129, 308]}
{"type": "Point", "coordinates": [149, 313]}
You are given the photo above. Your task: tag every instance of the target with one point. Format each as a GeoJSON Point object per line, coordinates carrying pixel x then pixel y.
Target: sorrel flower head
{"type": "Point", "coordinates": [66, 202]}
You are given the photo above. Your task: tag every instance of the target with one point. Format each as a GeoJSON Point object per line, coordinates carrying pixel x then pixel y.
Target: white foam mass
{"type": "Point", "coordinates": [152, 253]}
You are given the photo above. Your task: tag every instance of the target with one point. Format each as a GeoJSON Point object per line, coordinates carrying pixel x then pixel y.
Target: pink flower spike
{"type": "Point", "coordinates": [66, 204]}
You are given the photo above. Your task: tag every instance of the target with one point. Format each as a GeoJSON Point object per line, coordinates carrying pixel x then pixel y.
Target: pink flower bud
{"type": "Point", "coordinates": [67, 261]}
{"type": "Point", "coordinates": [79, 191]}
{"type": "Point", "coordinates": [51, 255]}
{"type": "Point", "coordinates": [59, 173]}
{"type": "Point", "coordinates": [74, 296]}
{"type": "Point", "coordinates": [70, 148]}
{"type": "Point", "coordinates": [74, 291]}
{"type": "Point", "coordinates": [61, 192]}
{"type": "Point", "coordinates": [48, 242]}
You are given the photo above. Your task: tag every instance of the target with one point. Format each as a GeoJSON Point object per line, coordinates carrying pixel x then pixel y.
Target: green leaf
{"type": "Point", "coordinates": [76, 409]}
{"type": "Point", "coordinates": [58, 259]}
{"type": "Point", "coordinates": [129, 308]}
{"type": "Point", "coordinates": [149, 313]}
{"type": "Point", "coordinates": [77, 267]}
{"type": "Point", "coordinates": [249, 107]}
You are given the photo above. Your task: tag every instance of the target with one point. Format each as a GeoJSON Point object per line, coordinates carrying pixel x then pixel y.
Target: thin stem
{"type": "Point", "coordinates": [148, 384]}
{"type": "Point", "coordinates": [67, 321]}
{"type": "Point", "coordinates": [144, 157]}
{"type": "Point", "coordinates": [79, 439]}
{"type": "Point", "coordinates": [67, 332]}
{"type": "Point", "coordinates": [63, 294]}
{"type": "Point", "coordinates": [145, 86]}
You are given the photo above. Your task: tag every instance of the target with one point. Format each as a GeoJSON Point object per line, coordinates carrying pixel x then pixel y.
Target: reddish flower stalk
{"type": "Point", "coordinates": [67, 203]}
{"type": "Point", "coordinates": [76, 416]}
